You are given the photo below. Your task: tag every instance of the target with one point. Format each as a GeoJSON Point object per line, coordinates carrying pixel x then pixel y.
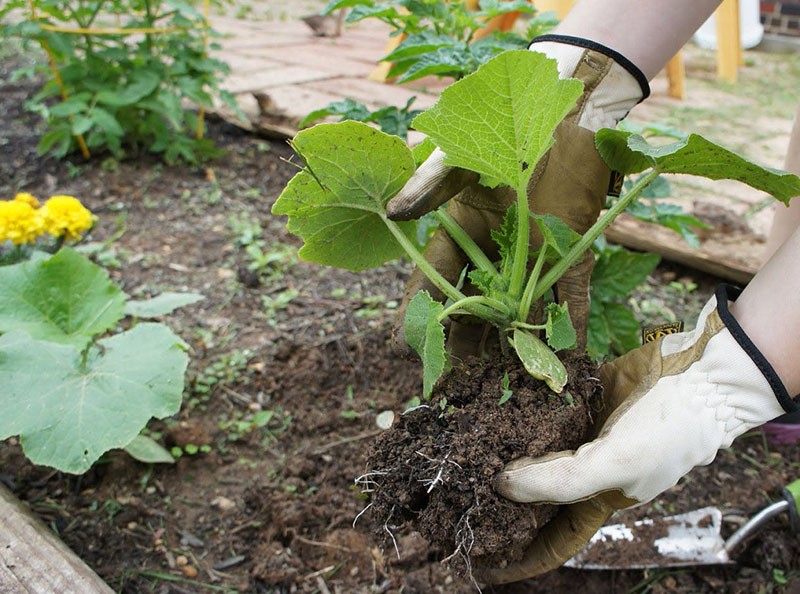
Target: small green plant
{"type": "Point", "coordinates": [440, 36]}
{"type": "Point", "coordinates": [506, 391]}
{"type": "Point", "coordinates": [74, 384]}
{"type": "Point", "coordinates": [390, 119]}
{"type": "Point", "coordinates": [120, 73]}
{"type": "Point", "coordinates": [497, 122]}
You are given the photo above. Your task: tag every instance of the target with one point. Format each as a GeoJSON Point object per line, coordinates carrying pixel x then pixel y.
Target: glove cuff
{"type": "Point", "coordinates": [724, 294]}
{"type": "Point", "coordinates": [613, 84]}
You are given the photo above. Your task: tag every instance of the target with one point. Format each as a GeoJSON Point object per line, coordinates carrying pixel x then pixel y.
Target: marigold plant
{"type": "Point", "coordinates": [23, 221]}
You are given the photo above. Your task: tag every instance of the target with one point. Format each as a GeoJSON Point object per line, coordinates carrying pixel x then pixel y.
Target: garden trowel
{"type": "Point", "coordinates": [687, 539]}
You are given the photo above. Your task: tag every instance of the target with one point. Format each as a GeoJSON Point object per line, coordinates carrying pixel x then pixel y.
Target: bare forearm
{"type": "Point", "coordinates": [647, 32]}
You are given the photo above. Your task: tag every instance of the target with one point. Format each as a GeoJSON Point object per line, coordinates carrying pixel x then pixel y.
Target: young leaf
{"type": "Point", "coordinates": [556, 233]}
{"type": "Point", "coordinates": [558, 327]}
{"type": "Point", "coordinates": [64, 298]}
{"type": "Point", "coordinates": [499, 121]}
{"type": "Point", "coordinates": [336, 204]}
{"type": "Point", "coordinates": [539, 360]}
{"type": "Point", "coordinates": [87, 409]}
{"type": "Point", "coordinates": [507, 393]}
{"type": "Point", "coordinates": [504, 237]}
{"type": "Point", "coordinates": [425, 334]}
{"type": "Point", "coordinates": [160, 305]}
{"type": "Point", "coordinates": [145, 449]}
{"type": "Point", "coordinates": [630, 153]}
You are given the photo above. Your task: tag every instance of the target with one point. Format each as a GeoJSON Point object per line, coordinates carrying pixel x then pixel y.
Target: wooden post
{"type": "Point", "coordinates": [676, 75]}
{"type": "Point", "coordinates": [34, 561]}
{"type": "Point", "coordinates": [729, 45]}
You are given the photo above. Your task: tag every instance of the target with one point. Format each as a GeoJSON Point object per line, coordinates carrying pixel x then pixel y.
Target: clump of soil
{"type": "Point", "coordinates": [435, 467]}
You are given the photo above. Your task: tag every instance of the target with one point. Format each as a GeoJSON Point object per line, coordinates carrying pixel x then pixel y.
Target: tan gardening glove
{"type": "Point", "coordinates": [669, 406]}
{"type": "Point", "coordinates": [571, 182]}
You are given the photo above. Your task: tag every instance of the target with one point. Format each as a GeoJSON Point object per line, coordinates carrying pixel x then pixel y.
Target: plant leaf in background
{"type": "Point", "coordinates": [336, 204]}
{"type": "Point", "coordinates": [630, 153]}
{"type": "Point", "coordinates": [147, 450]}
{"type": "Point", "coordinates": [612, 327]}
{"type": "Point", "coordinates": [425, 334]}
{"type": "Point", "coordinates": [64, 298]}
{"type": "Point", "coordinates": [500, 122]}
{"type": "Point", "coordinates": [161, 305]}
{"type": "Point", "coordinates": [68, 411]}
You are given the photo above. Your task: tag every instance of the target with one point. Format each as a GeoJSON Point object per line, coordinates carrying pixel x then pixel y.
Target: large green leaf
{"type": "Point", "coordinates": [69, 413]}
{"type": "Point", "coordinates": [499, 121]}
{"type": "Point", "coordinates": [337, 203]}
{"type": "Point", "coordinates": [631, 153]}
{"type": "Point", "coordinates": [425, 334]}
{"type": "Point", "coordinates": [64, 298]}
{"type": "Point", "coordinates": [539, 360]}
{"type": "Point", "coordinates": [618, 272]}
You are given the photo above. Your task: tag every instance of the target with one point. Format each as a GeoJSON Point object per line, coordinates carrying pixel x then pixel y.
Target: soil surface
{"type": "Point", "coordinates": [270, 508]}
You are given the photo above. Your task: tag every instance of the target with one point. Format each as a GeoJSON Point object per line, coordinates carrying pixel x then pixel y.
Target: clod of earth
{"type": "Point", "coordinates": [434, 468]}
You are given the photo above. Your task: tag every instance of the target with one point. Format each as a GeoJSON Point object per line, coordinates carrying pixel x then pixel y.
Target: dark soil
{"type": "Point", "coordinates": [270, 508]}
{"type": "Point", "coordinates": [435, 467]}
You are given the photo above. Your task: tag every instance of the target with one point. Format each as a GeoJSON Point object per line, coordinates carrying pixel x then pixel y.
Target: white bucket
{"type": "Point", "coordinates": [750, 28]}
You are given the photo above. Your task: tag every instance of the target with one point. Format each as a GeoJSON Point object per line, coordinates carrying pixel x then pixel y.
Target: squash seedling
{"type": "Point", "coordinates": [497, 122]}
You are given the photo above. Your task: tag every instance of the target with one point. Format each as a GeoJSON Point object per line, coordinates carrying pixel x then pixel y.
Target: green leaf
{"type": "Point", "coordinates": [348, 109]}
{"type": "Point", "coordinates": [558, 327]}
{"type": "Point", "coordinates": [420, 44]}
{"type": "Point", "coordinates": [143, 82]}
{"type": "Point", "coordinates": [107, 122]}
{"type": "Point", "coordinates": [64, 298]}
{"type": "Point", "coordinates": [506, 392]}
{"type": "Point", "coordinates": [494, 8]}
{"type": "Point", "coordinates": [539, 360]}
{"type": "Point", "coordinates": [422, 151]}
{"type": "Point", "coordinates": [500, 120]}
{"type": "Point", "coordinates": [161, 305]}
{"type": "Point", "coordinates": [556, 233]}
{"type": "Point", "coordinates": [147, 450]}
{"type": "Point", "coordinates": [337, 4]}
{"type": "Point", "coordinates": [630, 153]}
{"type": "Point", "coordinates": [445, 61]}
{"type": "Point", "coordinates": [425, 334]}
{"type": "Point", "coordinates": [68, 107]}
{"type": "Point", "coordinates": [337, 203]}
{"type": "Point", "coordinates": [617, 272]}
{"type": "Point", "coordinates": [505, 238]}
{"type": "Point", "coordinates": [623, 329]}
{"type": "Point", "coordinates": [69, 413]}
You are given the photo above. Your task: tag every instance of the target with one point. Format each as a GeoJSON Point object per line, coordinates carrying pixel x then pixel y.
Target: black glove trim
{"type": "Point", "coordinates": [725, 293]}
{"type": "Point", "coordinates": [606, 51]}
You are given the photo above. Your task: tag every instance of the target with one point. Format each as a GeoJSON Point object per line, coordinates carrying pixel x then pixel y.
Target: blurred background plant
{"type": "Point", "coordinates": [121, 75]}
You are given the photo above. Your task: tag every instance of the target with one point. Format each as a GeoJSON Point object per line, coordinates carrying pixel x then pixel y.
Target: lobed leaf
{"type": "Point", "coordinates": [425, 334]}
{"type": "Point", "coordinates": [64, 298]}
{"type": "Point", "coordinates": [631, 153]}
{"type": "Point", "coordinates": [337, 203]}
{"type": "Point", "coordinates": [499, 121]}
{"type": "Point", "coordinates": [69, 413]}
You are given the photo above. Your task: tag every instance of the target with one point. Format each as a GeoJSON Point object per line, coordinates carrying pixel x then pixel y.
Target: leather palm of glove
{"type": "Point", "coordinates": [669, 406]}
{"type": "Point", "coordinates": [570, 182]}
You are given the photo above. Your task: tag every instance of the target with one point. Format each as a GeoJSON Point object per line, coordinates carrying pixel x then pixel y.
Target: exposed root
{"type": "Point", "coordinates": [389, 532]}
{"type": "Point", "coordinates": [464, 541]}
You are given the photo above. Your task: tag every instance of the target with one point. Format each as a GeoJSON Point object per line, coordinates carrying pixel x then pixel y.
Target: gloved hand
{"type": "Point", "coordinates": [669, 406]}
{"type": "Point", "coordinates": [571, 181]}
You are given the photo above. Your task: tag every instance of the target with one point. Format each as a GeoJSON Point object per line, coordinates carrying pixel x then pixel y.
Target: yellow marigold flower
{"type": "Point", "coordinates": [65, 216]}
{"type": "Point", "coordinates": [27, 198]}
{"type": "Point", "coordinates": [19, 222]}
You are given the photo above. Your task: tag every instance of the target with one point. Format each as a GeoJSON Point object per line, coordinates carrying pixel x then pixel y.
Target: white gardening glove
{"type": "Point", "coordinates": [571, 182]}
{"type": "Point", "coordinates": [670, 406]}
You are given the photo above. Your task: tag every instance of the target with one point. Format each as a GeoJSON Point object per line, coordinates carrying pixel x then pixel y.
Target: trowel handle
{"type": "Point", "coordinates": [792, 495]}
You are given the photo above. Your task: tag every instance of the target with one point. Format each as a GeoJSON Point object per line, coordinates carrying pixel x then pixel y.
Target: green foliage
{"type": "Point", "coordinates": [70, 391]}
{"type": "Point", "coordinates": [390, 119]}
{"type": "Point", "coordinates": [439, 35]}
{"type": "Point", "coordinates": [425, 334]}
{"type": "Point", "coordinates": [497, 122]}
{"type": "Point", "coordinates": [337, 203]}
{"type": "Point", "coordinates": [506, 392]}
{"type": "Point", "coordinates": [612, 327]}
{"type": "Point", "coordinates": [122, 90]}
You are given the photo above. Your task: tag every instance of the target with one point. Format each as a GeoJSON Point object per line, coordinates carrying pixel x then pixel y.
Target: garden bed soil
{"type": "Point", "coordinates": [270, 508]}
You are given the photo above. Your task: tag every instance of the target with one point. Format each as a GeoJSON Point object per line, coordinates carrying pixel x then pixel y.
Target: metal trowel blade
{"type": "Point", "coordinates": [682, 540]}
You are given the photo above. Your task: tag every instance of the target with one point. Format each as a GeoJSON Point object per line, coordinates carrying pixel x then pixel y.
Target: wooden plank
{"type": "Point", "coordinates": [34, 561]}
{"type": "Point", "coordinates": [729, 45]}
{"type": "Point", "coordinates": [733, 256]}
